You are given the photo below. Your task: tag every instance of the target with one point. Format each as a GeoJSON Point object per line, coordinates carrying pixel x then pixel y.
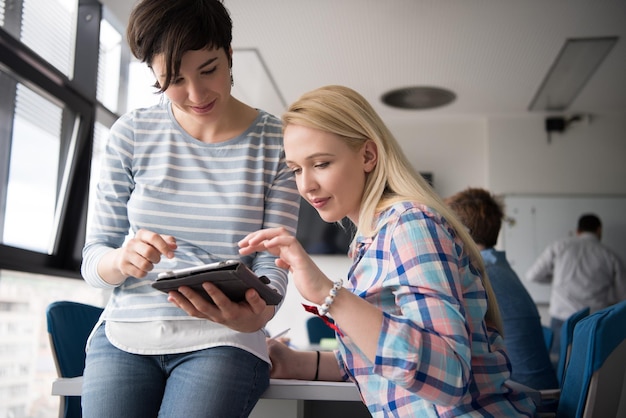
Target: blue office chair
{"type": "Point", "coordinates": [317, 329]}
{"type": "Point", "coordinates": [594, 380]}
{"type": "Point", "coordinates": [567, 333]}
{"type": "Point", "coordinates": [69, 326]}
{"type": "Point", "coordinates": [548, 336]}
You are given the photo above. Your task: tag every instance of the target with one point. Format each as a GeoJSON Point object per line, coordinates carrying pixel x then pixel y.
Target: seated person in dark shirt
{"type": "Point", "coordinates": [482, 214]}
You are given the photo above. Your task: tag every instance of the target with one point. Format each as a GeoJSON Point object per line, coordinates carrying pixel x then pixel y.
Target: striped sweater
{"type": "Point", "coordinates": [155, 176]}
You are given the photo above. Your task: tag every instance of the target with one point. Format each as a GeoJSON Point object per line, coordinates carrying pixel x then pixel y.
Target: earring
{"type": "Point", "coordinates": [232, 81]}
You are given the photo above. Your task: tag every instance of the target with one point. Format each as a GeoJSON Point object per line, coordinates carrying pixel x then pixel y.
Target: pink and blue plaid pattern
{"type": "Point", "coordinates": [436, 357]}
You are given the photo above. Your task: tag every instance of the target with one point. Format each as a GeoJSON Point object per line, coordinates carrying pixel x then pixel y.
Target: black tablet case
{"type": "Point", "coordinates": [232, 279]}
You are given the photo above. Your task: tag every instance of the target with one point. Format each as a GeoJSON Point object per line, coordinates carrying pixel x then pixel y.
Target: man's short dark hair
{"type": "Point", "coordinates": [589, 223]}
{"type": "Point", "coordinates": [480, 212]}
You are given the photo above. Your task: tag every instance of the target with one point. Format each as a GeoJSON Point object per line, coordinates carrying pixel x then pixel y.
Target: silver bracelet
{"type": "Point", "coordinates": [323, 310]}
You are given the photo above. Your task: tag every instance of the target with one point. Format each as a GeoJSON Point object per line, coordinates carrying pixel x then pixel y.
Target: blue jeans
{"type": "Point", "coordinates": [216, 382]}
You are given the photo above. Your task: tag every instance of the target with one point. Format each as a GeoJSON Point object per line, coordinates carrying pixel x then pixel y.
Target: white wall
{"type": "Point", "coordinates": [455, 151]}
{"type": "Point", "coordinates": [511, 155]}
{"type": "Point", "coordinates": [507, 155]}
{"type": "Point", "coordinates": [586, 159]}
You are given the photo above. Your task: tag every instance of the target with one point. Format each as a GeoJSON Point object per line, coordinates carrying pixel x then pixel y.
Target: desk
{"type": "Point", "coordinates": [310, 399]}
{"type": "Point", "coordinates": [284, 398]}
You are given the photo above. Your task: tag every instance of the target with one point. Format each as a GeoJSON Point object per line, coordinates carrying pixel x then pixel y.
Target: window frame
{"type": "Point", "coordinates": [78, 95]}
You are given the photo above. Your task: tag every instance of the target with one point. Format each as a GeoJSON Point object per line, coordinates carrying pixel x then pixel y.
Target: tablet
{"type": "Point", "coordinates": [231, 276]}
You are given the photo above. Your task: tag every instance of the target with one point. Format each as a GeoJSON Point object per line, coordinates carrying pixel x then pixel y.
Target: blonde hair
{"type": "Point", "coordinates": [344, 112]}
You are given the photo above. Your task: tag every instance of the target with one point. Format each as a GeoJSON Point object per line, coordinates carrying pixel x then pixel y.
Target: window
{"type": "Point", "coordinates": [63, 81]}
{"type": "Point", "coordinates": [45, 132]}
{"type": "Point", "coordinates": [109, 64]}
{"type": "Point", "coordinates": [49, 29]}
{"type": "Point", "coordinates": [57, 73]}
{"type": "Point", "coordinates": [141, 80]}
{"type": "Point", "coordinates": [27, 368]}
{"type": "Point", "coordinates": [33, 171]}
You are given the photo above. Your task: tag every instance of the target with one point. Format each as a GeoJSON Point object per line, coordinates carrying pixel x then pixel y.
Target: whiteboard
{"type": "Point", "coordinates": [535, 221]}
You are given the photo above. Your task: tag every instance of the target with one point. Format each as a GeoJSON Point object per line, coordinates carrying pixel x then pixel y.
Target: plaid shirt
{"type": "Point", "coordinates": [436, 357]}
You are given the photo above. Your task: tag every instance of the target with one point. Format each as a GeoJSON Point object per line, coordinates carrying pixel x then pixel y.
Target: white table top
{"type": "Point", "coordinates": [278, 389]}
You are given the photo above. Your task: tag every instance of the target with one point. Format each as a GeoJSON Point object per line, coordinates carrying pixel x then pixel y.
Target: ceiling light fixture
{"type": "Point", "coordinates": [418, 97]}
{"type": "Point", "coordinates": [578, 59]}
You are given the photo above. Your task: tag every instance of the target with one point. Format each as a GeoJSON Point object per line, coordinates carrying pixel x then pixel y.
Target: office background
{"type": "Point", "coordinates": [492, 54]}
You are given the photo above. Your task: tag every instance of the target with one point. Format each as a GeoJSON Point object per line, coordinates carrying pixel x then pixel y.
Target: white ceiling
{"type": "Point", "coordinates": [493, 54]}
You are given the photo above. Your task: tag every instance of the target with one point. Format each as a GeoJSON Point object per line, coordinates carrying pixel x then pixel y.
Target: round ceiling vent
{"type": "Point", "coordinates": [419, 97]}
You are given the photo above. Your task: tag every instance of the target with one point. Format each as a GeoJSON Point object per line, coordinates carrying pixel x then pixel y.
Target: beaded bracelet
{"type": "Point", "coordinates": [323, 310]}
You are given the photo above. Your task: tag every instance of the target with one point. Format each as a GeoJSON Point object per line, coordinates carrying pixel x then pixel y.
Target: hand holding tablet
{"type": "Point", "coordinates": [232, 277]}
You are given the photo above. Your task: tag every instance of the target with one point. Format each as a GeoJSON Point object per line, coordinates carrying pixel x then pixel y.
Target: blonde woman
{"type": "Point", "coordinates": [418, 325]}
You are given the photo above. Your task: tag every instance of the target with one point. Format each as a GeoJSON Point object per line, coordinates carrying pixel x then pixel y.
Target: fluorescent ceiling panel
{"type": "Point", "coordinates": [573, 67]}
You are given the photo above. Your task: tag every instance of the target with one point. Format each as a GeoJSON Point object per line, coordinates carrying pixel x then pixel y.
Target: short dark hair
{"type": "Point", "coordinates": [173, 27]}
{"type": "Point", "coordinates": [480, 212]}
{"type": "Point", "coordinates": [589, 223]}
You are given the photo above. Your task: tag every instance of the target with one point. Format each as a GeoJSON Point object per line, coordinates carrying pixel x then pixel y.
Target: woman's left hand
{"type": "Point", "coordinates": [246, 316]}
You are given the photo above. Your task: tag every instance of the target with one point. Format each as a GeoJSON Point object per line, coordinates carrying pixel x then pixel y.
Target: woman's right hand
{"type": "Point", "coordinates": [312, 284]}
{"type": "Point", "coordinates": [137, 257]}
